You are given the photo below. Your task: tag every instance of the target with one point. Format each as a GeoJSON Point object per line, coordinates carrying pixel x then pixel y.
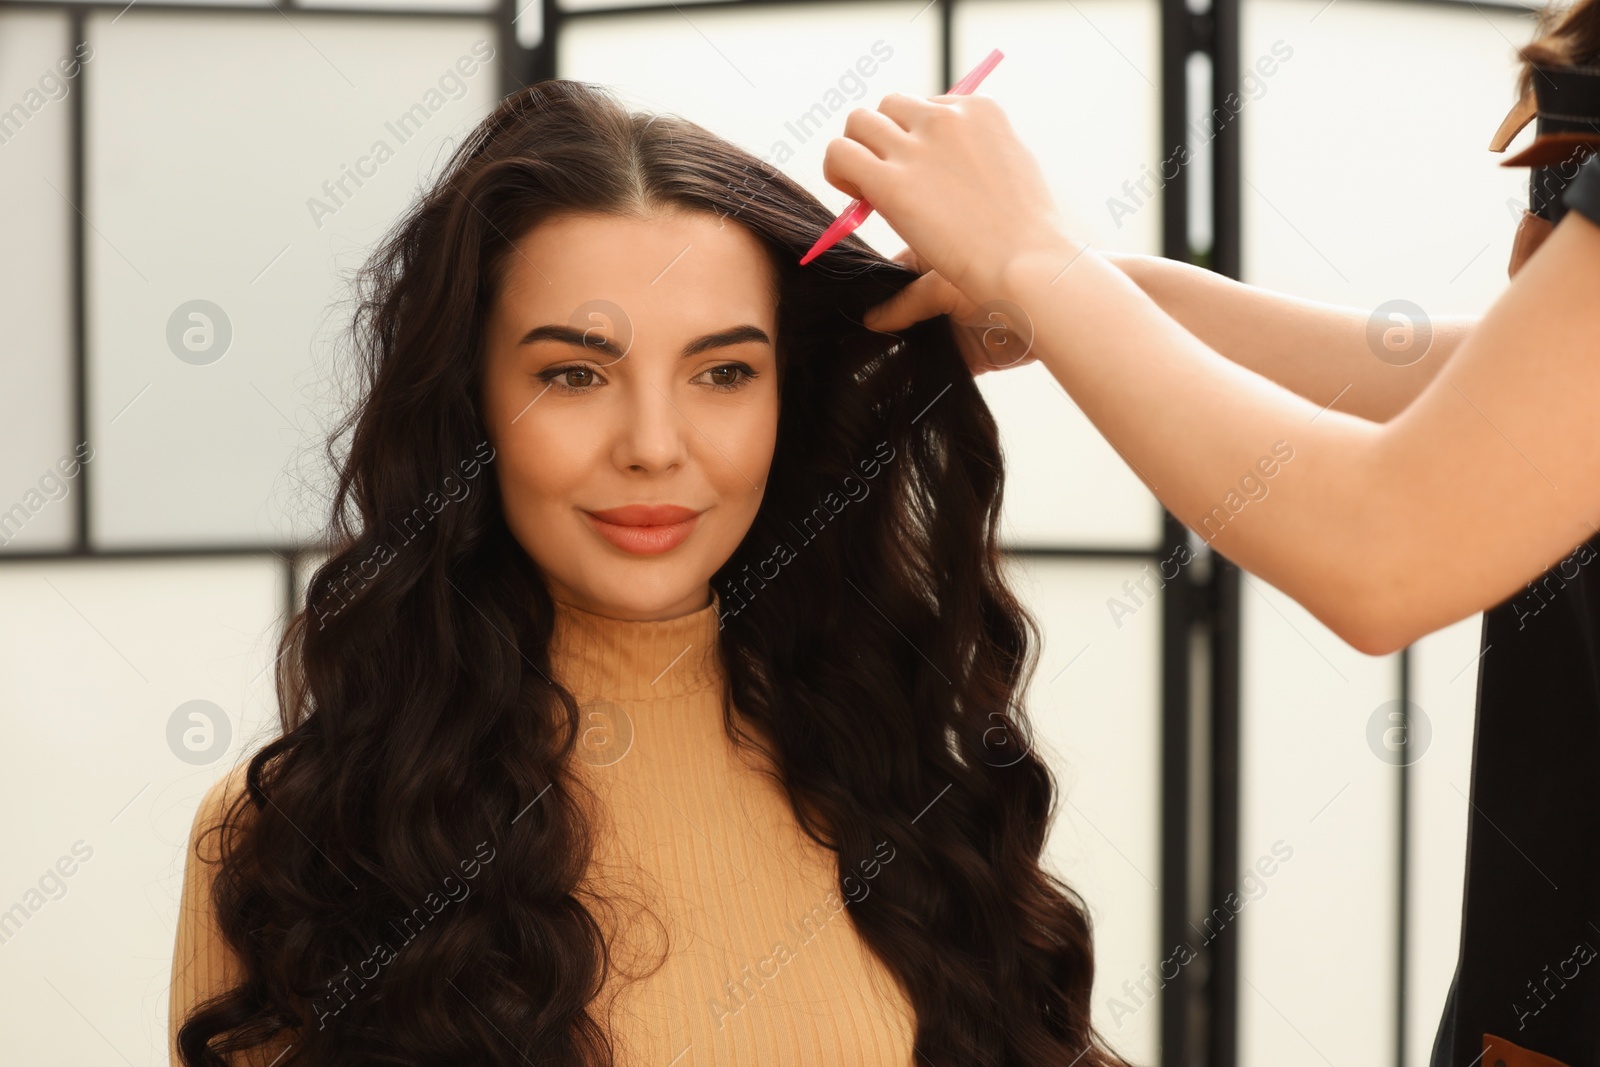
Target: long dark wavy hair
{"type": "Point", "coordinates": [884, 664]}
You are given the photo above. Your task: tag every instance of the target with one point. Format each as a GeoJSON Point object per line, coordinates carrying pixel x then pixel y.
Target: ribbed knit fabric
{"type": "Point", "coordinates": [702, 867]}
{"type": "Point", "coordinates": [202, 963]}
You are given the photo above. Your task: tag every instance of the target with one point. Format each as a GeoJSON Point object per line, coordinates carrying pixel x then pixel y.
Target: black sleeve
{"type": "Point", "coordinates": [1583, 192]}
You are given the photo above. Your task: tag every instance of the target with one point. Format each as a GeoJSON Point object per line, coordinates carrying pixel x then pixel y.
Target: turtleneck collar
{"type": "Point", "coordinates": [596, 656]}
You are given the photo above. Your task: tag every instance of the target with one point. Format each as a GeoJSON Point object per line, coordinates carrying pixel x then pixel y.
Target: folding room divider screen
{"type": "Point", "coordinates": [162, 158]}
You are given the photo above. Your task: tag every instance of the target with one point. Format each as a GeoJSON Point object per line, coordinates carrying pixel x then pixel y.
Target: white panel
{"type": "Point", "coordinates": [529, 23]}
{"type": "Point", "coordinates": [1074, 75]}
{"type": "Point", "coordinates": [402, 5]}
{"type": "Point", "coordinates": [211, 139]}
{"type": "Point", "coordinates": [1065, 484]}
{"type": "Point", "coordinates": [37, 504]}
{"type": "Point", "coordinates": [1319, 924]}
{"type": "Point", "coordinates": [129, 3]}
{"type": "Point", "coordinates": [1095, 702]}
{"type": "Point", "coordinates": [1362, 185]}
{"type": "Point", "coordinates": [604, 5]}
{"type": "Point", "coordinates": [1080, 76]}
{"type": "Point", "coordinates": [1197, 76]}
{"type": "Point", "coordinates": [1444, 686]}
{"type": "Point", "coordinates": [95, 660]}
{"type": "Point", "coordinates": [749, 75]}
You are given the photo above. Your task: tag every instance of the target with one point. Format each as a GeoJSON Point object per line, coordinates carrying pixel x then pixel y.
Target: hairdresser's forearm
{"type": "Point", "coordinates": [1319, 351]}
{"type": "Point", "coordinates": [1384, 531]}
{"type": "Point", "coordinates": [1195, 425]}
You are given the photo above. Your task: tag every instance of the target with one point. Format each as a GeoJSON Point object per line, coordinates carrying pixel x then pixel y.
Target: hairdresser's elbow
{"type": "Point", "coordinates": [1380, 565]}
{"type": "Point", "coordinates": [1372, 617]}
{"type": "Point", "coordinates": [1375, 638]}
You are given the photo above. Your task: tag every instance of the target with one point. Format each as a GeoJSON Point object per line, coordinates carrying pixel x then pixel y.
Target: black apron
{"type": "Point", "coordinates": [1529, 968]}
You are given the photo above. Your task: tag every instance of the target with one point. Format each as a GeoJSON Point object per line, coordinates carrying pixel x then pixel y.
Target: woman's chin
{"type": "Point", "coordinates": [665, 594]}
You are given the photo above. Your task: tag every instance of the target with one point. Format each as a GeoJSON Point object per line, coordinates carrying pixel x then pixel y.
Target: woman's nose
{"type": "Point", "coordinates": [654, 431]}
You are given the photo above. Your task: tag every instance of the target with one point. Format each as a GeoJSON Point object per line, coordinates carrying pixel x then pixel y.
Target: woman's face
{"type": "Point", "coordinates": [631, 395]}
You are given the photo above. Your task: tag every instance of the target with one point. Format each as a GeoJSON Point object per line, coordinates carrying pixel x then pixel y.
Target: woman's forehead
{"type": "Point", "coordinates": [668, 267]}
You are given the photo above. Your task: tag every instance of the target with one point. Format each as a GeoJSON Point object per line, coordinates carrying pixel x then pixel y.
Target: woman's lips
{"type": "Point", "coordinates": [644, 529]}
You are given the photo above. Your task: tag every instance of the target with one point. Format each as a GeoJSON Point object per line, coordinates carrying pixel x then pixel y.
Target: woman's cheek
{"type": "Point", "coordinates": [755, 438]}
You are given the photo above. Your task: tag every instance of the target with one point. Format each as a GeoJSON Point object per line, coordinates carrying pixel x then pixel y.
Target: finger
{"type": "Point", "coordinates": [875, 130]}
{"type": "Point", "coordinates": [907, 257]}
{"type": "Point", "coordinates": [979, 101]}
{"type": "Point", "coordinates": [924, 298]}
{"type": "Point", "coordinates": [848, 163]}
{"type": "Point", "coordinates": [906, 110]}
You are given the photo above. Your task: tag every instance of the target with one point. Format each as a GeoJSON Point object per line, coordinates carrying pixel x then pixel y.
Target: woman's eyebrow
{"type": "Point", "coordinates": [734, 335]}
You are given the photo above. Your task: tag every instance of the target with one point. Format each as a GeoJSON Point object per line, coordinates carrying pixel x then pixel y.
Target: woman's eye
{"type": "Point", "coordinates": [574, 379]}
{"type": "Point", "coordinates": [577, 378]}
{"type": "Point", "coordinates": [730, 375]}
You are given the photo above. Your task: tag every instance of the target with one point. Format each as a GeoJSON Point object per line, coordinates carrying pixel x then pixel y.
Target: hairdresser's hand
{"type": "Point", "coordinates": [991, 337]}
{"type": "Point", "coordinates": [949, 174]}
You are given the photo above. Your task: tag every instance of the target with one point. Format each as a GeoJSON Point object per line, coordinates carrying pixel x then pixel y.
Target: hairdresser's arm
{"type": "Point", "coordinates": [1317, 350]}
{"type": "Point", "coordinates": [1384, 531]}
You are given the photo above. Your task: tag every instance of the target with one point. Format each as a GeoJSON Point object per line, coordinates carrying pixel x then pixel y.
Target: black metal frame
{"type": "Point", "coordinates": [1200, 607]}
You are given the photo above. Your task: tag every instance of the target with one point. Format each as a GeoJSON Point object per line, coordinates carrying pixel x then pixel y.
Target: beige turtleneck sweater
{"type": "Point", "coordinates": [762, 962]}
{"type": "Point", "coordinates": [700, 865]}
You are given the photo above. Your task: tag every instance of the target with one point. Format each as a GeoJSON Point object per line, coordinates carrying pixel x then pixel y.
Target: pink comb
{"type": "Point", "coordinates": [858, 210]}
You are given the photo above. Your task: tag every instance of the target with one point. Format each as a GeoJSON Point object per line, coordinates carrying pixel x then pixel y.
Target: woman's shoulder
{"type": "Point", "coordinates": [219, 799]}
{"type": "Point", "coordinates": [203, 964]}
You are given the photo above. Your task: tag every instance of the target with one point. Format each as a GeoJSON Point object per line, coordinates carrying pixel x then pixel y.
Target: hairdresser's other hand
{"type": "Point", "coordinates": [991, 337]}
{"type": "Point", "coordinates": [949, 174]}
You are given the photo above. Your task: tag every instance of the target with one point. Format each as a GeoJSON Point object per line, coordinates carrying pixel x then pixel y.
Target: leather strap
{"type": "Point", "coordinates": [1498, 1052]}
{"type": "Point", "coordinates": [1552, 149]}
{"type": "Point", "coordinates": [1521, 113]}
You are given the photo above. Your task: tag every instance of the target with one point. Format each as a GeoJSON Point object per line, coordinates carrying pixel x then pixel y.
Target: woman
{"type": "Point", "coordinates": [1416, 496]}
{"type": "Point", "coordinates": [690, 735]}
